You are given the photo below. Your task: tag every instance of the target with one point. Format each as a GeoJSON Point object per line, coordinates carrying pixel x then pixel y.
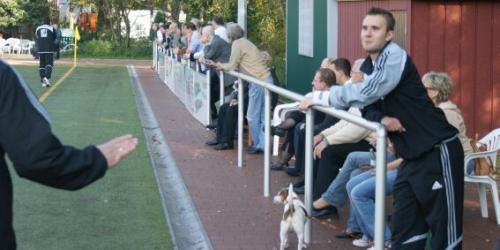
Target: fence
{"type": "Point", "coordinates": [189, 85]}
{"type": "Point", "coordinates": [380, 148]}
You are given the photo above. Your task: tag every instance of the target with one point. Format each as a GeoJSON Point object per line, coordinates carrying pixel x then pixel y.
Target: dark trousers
{"type": "Point", "coordinates": [428, 195]}
{"type": "Point", "coordinates": [46, 65]}
{"type": "Point", "coordinates": [214, 93]}
{"type": "Point", "coordinates": [327, 167]}
{"type": "Point", "coordinates": [226, 124]}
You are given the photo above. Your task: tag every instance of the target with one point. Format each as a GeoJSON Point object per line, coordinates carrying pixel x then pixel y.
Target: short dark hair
{"type": "Point", "coordinates": [191, 26]}
{"type": "Point", "coordinates": [46, 20]}
{"type": "Point", "coordinates": [343, 65]}
{"type": "Point", "coordinates": [218, 20]}
{"type": "Point", "coordinates": [327, 75]}
{"type": "Point", "coordinates": [389, 18]}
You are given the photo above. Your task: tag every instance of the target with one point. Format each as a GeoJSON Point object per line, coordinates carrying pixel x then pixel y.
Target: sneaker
{"type": "Point", "coordinates": [46, 82]}
{"type": "Point", "coordinates": [363, 242]}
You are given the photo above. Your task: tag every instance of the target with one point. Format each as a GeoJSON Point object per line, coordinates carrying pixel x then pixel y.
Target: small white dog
{"type": "Point", "coordinates": [294, 216]}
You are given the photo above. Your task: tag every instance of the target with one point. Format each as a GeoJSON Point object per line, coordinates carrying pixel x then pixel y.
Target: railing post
{"type": "Point", "coordinates": [165, 60]}
{"type": "Point", "coordinates": [380, 181]}
{"type": "Point", "coordinates": [308, 185]}
{"type": "Point", "coordinates": [241, 102]}
{"type": "Point", "coordinates": [155, 50]}
{"type": "Point", "coordinates": [221, 88]}
{"type": "Point", "coordinates": [209, 117]}
{"type": "Point", "coordinates": [267, 141]}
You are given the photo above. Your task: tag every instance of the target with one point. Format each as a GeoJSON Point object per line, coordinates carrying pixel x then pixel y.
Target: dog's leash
{"type": "Point", "coordinates": [326, 223]}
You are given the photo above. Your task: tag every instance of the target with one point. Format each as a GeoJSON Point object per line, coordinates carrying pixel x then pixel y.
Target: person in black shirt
{"type": "Point", "coordinates": [45, 39]}
{"type": "Point", "coordinates": [38, 155]}
{"type": "Point", "coordinates": [428, 192]}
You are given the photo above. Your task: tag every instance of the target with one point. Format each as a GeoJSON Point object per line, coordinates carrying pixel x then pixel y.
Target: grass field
{"type": "Point", "coordinates": [121, 211]}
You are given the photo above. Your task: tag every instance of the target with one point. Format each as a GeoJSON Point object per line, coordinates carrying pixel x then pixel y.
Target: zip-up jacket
{"type": "Point", "coordinates": [45, 38]}
{"type": "Point", "coordinates": [393, 80]}
{"type": "Point", "coordinates": [36, 154]}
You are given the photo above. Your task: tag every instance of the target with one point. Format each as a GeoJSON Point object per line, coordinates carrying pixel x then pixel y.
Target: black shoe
{"type": "Point", "coordinates": [223, 146]}
{"type": "Point", "coordinates": [298, 184]}
{"type": "Point", "coordinates": [211, 126]}
{"type": "Point", "coordinates": [299, 190]}
{"type": "Point", "coordinates": [278, 166]}
{"type": "Point", "coordinates": [278, 131]}
{"type": "Point", "coordinates": [328, 211]}
{"type": "Point", "coordinates": [212, 142]}
{"type": "Point", "coordinates": [254, 150]}
{"type": "Point", "coordinates": [293, 171]}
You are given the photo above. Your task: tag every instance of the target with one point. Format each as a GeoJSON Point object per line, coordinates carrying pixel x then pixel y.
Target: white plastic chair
{"type": "Point", "coordinates": [492, 142]}
{"type": "Point", "coordinates": [14, 45]}
{"type": "Point", "coordinates": [26, 46]}
{"type": "Point", "coordinates": [278, 117]}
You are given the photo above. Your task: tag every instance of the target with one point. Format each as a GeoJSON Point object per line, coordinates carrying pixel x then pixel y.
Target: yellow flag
{"type": "Point", "coordinates": [77, 34]}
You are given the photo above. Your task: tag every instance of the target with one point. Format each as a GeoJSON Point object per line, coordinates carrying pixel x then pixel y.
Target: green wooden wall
{"type": "Point", "coordinates": [300, 69]}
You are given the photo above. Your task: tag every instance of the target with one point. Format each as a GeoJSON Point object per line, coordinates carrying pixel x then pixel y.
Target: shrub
{"type": "Point", "coordinates": [138, 49]}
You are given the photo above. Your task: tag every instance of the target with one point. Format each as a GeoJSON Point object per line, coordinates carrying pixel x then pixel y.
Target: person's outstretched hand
{"type": "Point", "coordinates": [117, 148]}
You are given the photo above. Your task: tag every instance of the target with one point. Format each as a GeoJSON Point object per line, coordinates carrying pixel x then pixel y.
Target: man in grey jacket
{"type": "Point", "coordinates": [216, 50]}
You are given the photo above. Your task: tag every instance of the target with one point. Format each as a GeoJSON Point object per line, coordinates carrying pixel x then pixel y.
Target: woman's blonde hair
{"type": "Point", "coordinates": [441, 82]}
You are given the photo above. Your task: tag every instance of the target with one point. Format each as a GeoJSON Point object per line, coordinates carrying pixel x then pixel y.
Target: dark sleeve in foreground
{"type": "Point", "coordinates": [373, 112]}
{"type": "Point", "coordinates": [36, 153]}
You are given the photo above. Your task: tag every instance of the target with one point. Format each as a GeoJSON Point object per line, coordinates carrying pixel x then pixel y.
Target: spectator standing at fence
{"type": "Point", "coordinates": [45, 38]}
{"type": "Point", "coordinates": [160, 34]}
{"type": "Point", "coordinates": [219, 29]}
{"type": "Point", "coordinates": [57, 41]}
{"type": "Point", "coordinates": [249, 60]}
{"type": "Point", "coordinates": [38, 155]}
{"type": "Point", "coordinates": [216, 50]}
{"type": "Point", "coordinates": [428, 192]}
{"type": "Point", "coordinates": [152, 31]}
{"type": "Point", "coordinates": [193, 37]}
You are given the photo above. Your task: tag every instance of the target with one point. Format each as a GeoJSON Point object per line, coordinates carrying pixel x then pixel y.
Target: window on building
{"type": "Point", "coordinates": [400, 29]}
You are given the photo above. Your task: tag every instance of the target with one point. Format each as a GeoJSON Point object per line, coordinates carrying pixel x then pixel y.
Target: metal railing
{"type": "Point", "coordinates": [380, 149]}
{"type": "Point", "coordinates": [380, 173]}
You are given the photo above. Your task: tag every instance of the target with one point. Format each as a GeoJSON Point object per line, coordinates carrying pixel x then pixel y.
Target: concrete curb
{"type": "Point", "coordinates": [186, 228]}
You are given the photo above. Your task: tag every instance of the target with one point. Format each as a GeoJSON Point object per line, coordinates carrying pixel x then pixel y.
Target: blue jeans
{"type": "Point", "coordinates": [256, 113]}
{"type": "Point", "coordinates": [336, 193]}
{"type": "Point", "coordinates": [361, 190]}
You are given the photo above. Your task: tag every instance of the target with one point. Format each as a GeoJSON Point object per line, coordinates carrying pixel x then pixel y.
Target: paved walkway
{"type": "Point", "coordinates": [230, 200]}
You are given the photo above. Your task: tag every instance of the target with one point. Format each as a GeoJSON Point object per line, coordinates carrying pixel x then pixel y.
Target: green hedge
{"type": "Point", "coordinates": [139, 49]}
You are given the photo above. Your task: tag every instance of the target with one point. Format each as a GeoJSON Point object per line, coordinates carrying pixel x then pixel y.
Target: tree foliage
{"type": "Point", "coordinates": [36, 11]}
{"type": "Point", "coordinates": [10, 13]}
{"type": "Point", "coordinates": [265, 22]}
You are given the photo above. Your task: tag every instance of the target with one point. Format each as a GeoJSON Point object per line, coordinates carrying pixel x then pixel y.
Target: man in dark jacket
{"type": "Point", "coordinates": [58, 40]}
{"type": "Point", "coordinates": [45, 38]}
{"type": "Point", "coordinates": [428, 192]}
{"type": "Point", "coordinates": [37, 154]}
{"type": "Point", "coordinates": [218, 51]}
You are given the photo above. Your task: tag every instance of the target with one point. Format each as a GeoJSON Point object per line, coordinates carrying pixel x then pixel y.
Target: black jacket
{"type": "Point", "coordinates": [45, 38]}
{"type": "Point", "coordinates": [26, 137]}
{"type": "Point", "coordinates": [425, 124]}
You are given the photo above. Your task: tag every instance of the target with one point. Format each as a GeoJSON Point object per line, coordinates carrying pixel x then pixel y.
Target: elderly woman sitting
{"type": "Point", "coordinates": [439, 88]}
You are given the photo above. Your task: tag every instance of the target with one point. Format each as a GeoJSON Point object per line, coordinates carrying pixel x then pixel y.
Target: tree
{"type": "Point", "coordinates": [36, 11]}
{"type": "Point", "coordinates": [10, 13]}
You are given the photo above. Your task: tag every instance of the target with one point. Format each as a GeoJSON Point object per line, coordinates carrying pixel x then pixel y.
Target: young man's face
{"type": "Point", "coordinates": [317, 83]}
{"type": "Point", "coordinates": [374, 33]}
